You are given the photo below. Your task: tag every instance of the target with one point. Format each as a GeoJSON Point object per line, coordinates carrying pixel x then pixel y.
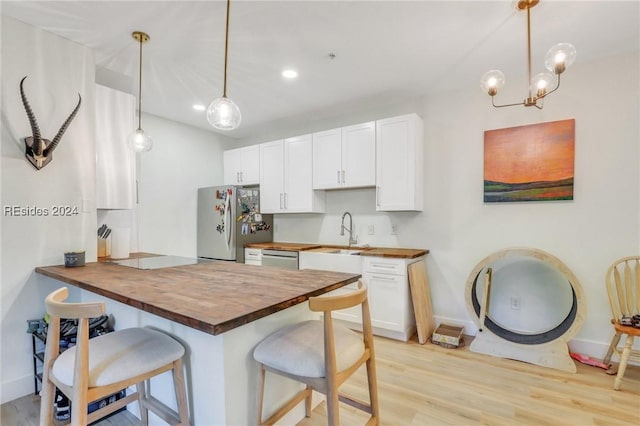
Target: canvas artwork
{"type": "Point", "coordinates": [529, 163]}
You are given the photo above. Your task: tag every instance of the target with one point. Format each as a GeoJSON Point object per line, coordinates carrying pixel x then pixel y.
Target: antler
{"type": "Point", "coordinates": [35, 130]}
{"type": "Point", "coordinates": [66, 123]}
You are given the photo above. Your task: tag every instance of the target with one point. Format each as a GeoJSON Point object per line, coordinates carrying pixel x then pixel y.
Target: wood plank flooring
{"type": "Point", "coordinates": [431, 385]}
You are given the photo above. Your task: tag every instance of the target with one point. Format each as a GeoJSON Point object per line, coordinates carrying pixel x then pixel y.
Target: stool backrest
{"type": "Point", "coordinates": [623, 286]}
{"type": "Point", "coordinates": [56, 307]}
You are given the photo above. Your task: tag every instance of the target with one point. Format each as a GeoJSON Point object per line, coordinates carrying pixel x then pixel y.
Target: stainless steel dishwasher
{"type": "Point", "coordinates": [280, 259]}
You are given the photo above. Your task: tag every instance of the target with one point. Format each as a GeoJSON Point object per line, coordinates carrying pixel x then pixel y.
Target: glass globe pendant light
{"type": "Point", "coordinates": [557, 60]}
{"type": "Point", "coordinates": [223, 113]}
{"type": "Point", "coordinates": [138, 140]}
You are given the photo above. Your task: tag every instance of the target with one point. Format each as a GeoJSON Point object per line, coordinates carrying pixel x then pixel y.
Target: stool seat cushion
{"type": "Point", "coordinates": [299, 349]}
{"type": "Point", "coordinates": [120, 355]}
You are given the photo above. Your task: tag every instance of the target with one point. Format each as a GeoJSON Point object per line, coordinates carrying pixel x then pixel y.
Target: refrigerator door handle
{"type": "Point", "coordinates": [228, 218]}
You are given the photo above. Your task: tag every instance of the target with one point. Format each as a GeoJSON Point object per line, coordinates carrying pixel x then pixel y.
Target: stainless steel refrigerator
{"type": "Point", "coordinates": [228, 218]}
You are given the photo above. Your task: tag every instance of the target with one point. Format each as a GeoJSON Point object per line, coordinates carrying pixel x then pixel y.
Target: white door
{"type": "Point", "coordinates": [359, 155]}
{"type": "Point", "coordinates": [394, 159]}
{"type": "Point", "coordinates": [272, 177]}
{"type": "Point", "coordinates": [250, 171]}
{"type": "Point", "coordinates": [327, 159]}
{"type": "Point", "coordinates": [298, 174]}
{"type": "Point", "coordinates": [231, 165]}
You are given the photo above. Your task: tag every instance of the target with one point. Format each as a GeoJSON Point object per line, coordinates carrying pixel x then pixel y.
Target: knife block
{"type": "Point", "coordinates": [104, 247]}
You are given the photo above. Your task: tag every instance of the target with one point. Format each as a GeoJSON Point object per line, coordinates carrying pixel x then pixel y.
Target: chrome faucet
{"type": "Point", "coordinates": [350, 229]}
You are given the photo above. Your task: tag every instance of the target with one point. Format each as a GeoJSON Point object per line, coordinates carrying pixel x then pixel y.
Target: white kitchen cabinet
{"type": "Point", "coordinates": [389, 293]}
{"type": "Point", "coordinates": [116, 161]}
{"type": "Point", "coordinates": [345, 157]}
{"type": "Point", "coordinates": [286, 177]}
{"type": "Point", "coordinates": [399, 163]}
{"type": "Point", "coordinates": [389, 296]}
{"type": "Point", "coordinates": [253, 256]}
{"type": "Point", "coordinates": [242, 166]}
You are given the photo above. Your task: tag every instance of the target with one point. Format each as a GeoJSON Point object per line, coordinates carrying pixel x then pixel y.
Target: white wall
{"type": "Point", "coordinates": [57, 71]}
{"type": "Point", "coordinates": [588, 233]}
{"type": "Point", "coordinates": [182, 160]}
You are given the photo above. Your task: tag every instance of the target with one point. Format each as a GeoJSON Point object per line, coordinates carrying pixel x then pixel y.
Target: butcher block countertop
{"type": "Point", "coordinates": [399, 253]}
{"type": "Point", "coordinates": [213, 297]}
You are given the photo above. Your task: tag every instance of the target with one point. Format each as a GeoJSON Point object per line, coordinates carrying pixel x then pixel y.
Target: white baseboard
{"type": "Point", "coordinates": [16, 388]}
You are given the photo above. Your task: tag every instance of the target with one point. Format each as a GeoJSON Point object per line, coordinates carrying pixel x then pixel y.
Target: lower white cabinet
{"type": "Point", "coordinates": [389, 296]}
{"type": "Point", "coordinates": [253, 256]}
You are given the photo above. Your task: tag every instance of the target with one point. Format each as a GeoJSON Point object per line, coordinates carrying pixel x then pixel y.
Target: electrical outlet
{"type": "Point", "coordinates": [394, 229]}
{"type": "Point", "coordinates": [371, 230]}
{"type": "Point", "coordinates": [515, 303]}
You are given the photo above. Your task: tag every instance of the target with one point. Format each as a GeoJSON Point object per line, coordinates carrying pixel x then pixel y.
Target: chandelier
{"type": "Point", "coordinates": [557, 60]}
{"type": "Point", "coordinates": [223, 113]}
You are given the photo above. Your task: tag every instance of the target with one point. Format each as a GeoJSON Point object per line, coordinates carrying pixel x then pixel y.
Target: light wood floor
{"type": "Point", "coordinates": [430, 385]}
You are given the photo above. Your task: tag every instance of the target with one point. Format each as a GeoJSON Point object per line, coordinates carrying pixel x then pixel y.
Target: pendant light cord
{"type": "Point", "coordinates": [226, 46]}
{"type": "Point", "coordinates": [140, 87]}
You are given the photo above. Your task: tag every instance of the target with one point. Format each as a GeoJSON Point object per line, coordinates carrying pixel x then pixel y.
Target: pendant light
{"type": "Point", "coordinates": [223, 113]}
{"type": "Point", "coordinates": [138, 139]}
{"type": "Point", "coordinates": [557, 60]}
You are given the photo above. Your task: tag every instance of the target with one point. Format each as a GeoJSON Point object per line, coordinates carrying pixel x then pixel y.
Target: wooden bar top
{"type": "Point", "coordinates": [213, 297]}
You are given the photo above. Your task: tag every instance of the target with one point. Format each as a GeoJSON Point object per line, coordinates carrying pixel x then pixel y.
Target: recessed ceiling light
{"type": "Point", "coordinates": [199, 107]}
{"type": "Point", "coordinates": [289, 73]}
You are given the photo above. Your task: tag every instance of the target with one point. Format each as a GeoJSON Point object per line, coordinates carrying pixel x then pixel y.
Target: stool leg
{"type": "Point", "coordinates": [261, 394]}
{"type": "Point", "coordinates": [308, 402]}
{"type": "Point", "coordinates": [46, 402]}
{"type": "Point", "coordinates": [181, 394]}
{"type": "Point", "coordinates": [612, 346]}
{"type": "Point", "coordinates": [333, 408]}
{"type": "Point", "coordinates": [142, 396]}
{"type": "Point", "coordinates": [372, 380]}
{"type": "Point", "coordinates": [624, 359]}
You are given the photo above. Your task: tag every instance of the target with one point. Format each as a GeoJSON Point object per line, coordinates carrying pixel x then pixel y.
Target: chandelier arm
{"type": "Point", "coordinates": [505, 105]}
{"type": "Point", "coordinates": [529, 46]}
{"type": "Point", "coordinates": [554, 89]}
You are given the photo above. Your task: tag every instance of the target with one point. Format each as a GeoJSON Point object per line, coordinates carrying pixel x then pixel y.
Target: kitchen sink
{"type": "Point", "coordinates": [344, 251]}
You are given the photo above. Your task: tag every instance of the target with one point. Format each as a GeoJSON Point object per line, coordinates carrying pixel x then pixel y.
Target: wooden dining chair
{"type": "Point", "coordinates": [321, 363]}
{"type": "Point", "coordinates": [623, 289]}
{"type": "Point", "coordinates": [96, 368]}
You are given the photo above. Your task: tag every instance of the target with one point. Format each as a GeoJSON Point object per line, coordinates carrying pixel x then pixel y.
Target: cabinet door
{"type": "Point", "coordinates": [115, 168]}
{"type": "Point", "coordinates": [359, 155]}
{"type": "Point", "coordinates": [399, 163]}
{"type": "Point", "coordinates": [272, 177]}
{"type": "Point", "coordinates": [250, 165]}
{"type": "Point", "coordinates": [386, 297]}
{"type": "Point", "coordinates": [327, 159]}
{"type": "Point", "coordinates": [231, 165]}
{"type": "Point", "coordinates": [298, 174]}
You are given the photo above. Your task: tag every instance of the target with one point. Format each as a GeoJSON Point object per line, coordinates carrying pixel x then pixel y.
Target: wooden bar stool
{"type": "Point", "coordinates": [323, 365]}
{"type": "Point", "coordinates": [623, 289]}
{"type": "Point", "coordinates": [96, 368]}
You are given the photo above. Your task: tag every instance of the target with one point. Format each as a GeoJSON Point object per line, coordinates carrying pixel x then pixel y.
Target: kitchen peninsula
{"type": "Point", "coordinates": [219, 311]}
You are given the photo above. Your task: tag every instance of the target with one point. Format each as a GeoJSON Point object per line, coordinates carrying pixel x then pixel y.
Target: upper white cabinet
{"type": "Point", "coordinates": [116, 161]}
{"type": "Point", "coordinates": [286, 177]}
{"type": "Point", "coordinates": [399, 163]}
{"type": "Point", "coordinates": [345, 157]}
{"type": "Point", "coordinates": [242, 166]}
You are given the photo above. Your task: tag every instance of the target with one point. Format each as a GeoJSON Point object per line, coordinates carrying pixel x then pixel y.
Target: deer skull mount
{"type": "Point", "coordinates": [39, 151]}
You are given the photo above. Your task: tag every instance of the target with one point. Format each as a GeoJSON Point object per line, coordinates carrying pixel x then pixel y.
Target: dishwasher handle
{"type": "Point", "coordinates": [279, 253]}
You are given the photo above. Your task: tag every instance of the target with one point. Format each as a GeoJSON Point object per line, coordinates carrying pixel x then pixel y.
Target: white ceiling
{"type": "Point", "coordinates": [383, 48]}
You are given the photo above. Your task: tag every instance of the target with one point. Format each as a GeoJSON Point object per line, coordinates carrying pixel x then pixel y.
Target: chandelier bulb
{"type": "Point", "coordinates": [139, 141]}
{"type": "Point", "coordinates": [491, 81]}
{"type": "Point", "coordinates": [560, 57]}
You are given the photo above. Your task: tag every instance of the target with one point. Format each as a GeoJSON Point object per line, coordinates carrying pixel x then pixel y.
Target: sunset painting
{"type": "Point", "coordinates": [529, 163]}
